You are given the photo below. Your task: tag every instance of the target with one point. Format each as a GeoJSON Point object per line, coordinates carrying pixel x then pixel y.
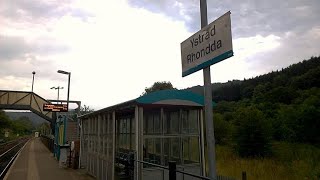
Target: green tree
{"type": "Point", "coordinates": [23, 125]}
{"type": "Point", "coordinates": [259, 93]}
{"type": "Point", "coordinates": [5, 123]}
{"type": "Point", "coordinates": [310, 120]}
{"type": "Point", "coordinates": [157, 86]}
{"type": "Point", "coordinates": [253, 135]}
{"type": "Point", "coordinates": [285, 123]}
{"type": "Point", "coordinates": [44, 128]}
{"type": "Point", "coordinates": [85, 109]}
{"type": "Point", "coordinates": [4, 120]}
{"type": "Point", "coordinates": [222, 129]}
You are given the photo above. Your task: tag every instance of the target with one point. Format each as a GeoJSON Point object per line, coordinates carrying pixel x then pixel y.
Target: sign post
{"type": "Point", "coordinates": [210, 45]}
{"type": "Point", "coordinates": [208, 104]}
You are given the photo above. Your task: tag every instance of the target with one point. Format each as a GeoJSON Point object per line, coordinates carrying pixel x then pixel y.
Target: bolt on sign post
{"type": "Point", "coordinates": [210, 45]}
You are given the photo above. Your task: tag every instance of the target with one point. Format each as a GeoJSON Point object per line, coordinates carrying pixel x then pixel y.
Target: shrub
{"type": "Point", "coordinates": [253, 135]}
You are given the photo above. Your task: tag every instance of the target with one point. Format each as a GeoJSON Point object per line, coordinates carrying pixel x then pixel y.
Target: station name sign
{"type": "Point", "coordinates": [208, 46]}
{"type": "Point", "coordinates": [55, 107]}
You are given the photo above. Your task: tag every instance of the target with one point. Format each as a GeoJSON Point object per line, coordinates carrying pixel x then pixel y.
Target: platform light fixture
{"type": "Point", "coordinates": [69, 75]}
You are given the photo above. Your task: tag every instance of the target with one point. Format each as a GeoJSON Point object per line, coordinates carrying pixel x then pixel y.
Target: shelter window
{"type": "Point", "coordinates": [152, 150]}
{"type": "Point", "coordinates": [190, 121]}
{"type": "Point", "coordinates": [171, 122]}
{"type": "Point", "coordinates": [190, 150]}
{"type": "Point", "coordinates": [152, 122]}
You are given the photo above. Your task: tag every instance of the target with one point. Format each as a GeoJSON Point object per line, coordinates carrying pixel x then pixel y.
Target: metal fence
{"type": "Point", "coordinates": [172, 171]}
{"type": "Point", "coordinates": [48, 142]}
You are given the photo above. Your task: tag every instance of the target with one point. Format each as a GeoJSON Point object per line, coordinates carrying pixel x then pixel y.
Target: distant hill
{"type": "Point", "coordinates": [284, 103]}
{"type": "Point", "coordinates": [300, 76]}
{"type": "Point", "coordinates": [35, 119]}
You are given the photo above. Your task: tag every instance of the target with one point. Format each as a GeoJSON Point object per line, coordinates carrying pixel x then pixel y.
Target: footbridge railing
{"type": "Point", "coordinates": [22, 100]}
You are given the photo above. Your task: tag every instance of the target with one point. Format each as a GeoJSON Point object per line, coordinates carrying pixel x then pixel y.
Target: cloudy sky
{"type": "Point", "coordinates": [114, 49]}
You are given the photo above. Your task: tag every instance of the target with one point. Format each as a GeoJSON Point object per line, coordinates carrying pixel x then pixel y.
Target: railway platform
{"type": "Point", "coordinates": [36, 162]}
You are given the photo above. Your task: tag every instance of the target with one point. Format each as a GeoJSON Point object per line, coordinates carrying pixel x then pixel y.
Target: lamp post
{"type": "Point", "coordinates": [33, 73]}
{"type": "Point", "coordinates": [58, 90]}
{"type": "Point", "coordinates": [69, 75]}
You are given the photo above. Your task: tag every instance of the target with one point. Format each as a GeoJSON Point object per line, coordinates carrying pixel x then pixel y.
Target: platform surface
{"type": "Point", "coordinates": [36, 162]}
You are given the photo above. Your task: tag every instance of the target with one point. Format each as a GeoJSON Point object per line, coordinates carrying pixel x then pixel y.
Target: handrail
{"type": "Point", "coordinates": [193, 175]}
{"type": "Point", "coordinates": [151, 164]}
{"type": "Point", "coordinates": [174, 170]}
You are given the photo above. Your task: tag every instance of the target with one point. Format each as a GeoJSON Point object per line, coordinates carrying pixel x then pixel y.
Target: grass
{"type": "Point", "coordinates": [289, 161]}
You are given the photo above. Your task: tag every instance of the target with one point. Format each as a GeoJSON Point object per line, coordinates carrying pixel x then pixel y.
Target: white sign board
{"type": "Point", "coordinates": [208, 46]}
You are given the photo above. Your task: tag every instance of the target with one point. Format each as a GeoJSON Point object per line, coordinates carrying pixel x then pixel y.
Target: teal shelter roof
{"type": "Point", "coordinates": [174, 97]}
{"type": "Point", "coordinates": [163, 97]}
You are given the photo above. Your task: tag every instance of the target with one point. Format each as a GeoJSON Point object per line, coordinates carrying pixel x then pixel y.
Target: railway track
{"type": "Point", "coordinates": [9, 152]}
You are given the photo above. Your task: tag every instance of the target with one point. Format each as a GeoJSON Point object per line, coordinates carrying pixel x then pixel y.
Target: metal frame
{"type": "Point", "coordinates": [23, 100]}
{"type": "Point", "coordinates": [136, 109]}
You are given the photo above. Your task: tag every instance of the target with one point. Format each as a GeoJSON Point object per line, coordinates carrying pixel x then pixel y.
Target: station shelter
{"type": "Point", "coordinates": [158, 127]}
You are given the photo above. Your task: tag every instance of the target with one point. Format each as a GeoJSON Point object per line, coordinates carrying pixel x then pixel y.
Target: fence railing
{"type": "Point", "coordinates": [129, 162]}
{"type": "Point", "coordinates": [48, 142]}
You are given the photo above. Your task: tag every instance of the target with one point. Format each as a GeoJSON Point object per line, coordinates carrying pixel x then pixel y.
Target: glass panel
{"type": "Point", "coordinates": [194, 149]}
{"type": "Point", "coordinates": [148, 149]}
{"type": "Point", "coordinates": [186, 151]}
{"type": "Point", "coordinates": [193, 121]}
{"type": "Point", "coordinates": [157, 127]}
{"type": "Point", "coordinates": [175, 150]}
{"type": "Point", "coordinates": [157, 142]}
{"type": "Point", "coordinates": [144, 124]}
{"type": "Point", "coordinates": [165, 124]}
{"type": "Point", "coordinates": [128, 125]}
{"type": "Point", "coordinates": [119, 140]}
{"type": "Point", "coordinates": [185, 123]}
{"type": "Point", "coordinates": [128, 141]}
{"type": "Point", "coordinates": [157, 151]}
{"type": "Point", "coordinates": [150, 124]}
{"type": "Point", "coordinates": [106, 147]}
{"type": "Point", "coordinates": [174, 122]}
{"type": "Point", "coordinates": [166, 149]}
{"type": "Point", "coordinates": [133, 123]}
{"type": "Point", "coordinates": [150, 146]}
{"type": "Point", "coordinates": [133, 139]}
{"type": "Point", "coordinates": [102, 124]}
{"type": "Point", "coordinates": [152, 150]}
{"type": "Point", "coordinates": [123, 126]}
{"type": "Point", "coordinates": [101, 145]}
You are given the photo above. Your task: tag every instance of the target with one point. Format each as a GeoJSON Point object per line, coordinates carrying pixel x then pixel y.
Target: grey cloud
{"type": "Point", "coordinates": [14, 47]}
{"type": "Point", "coordinates": [256, 17]}
{"type": "Point", "coordinates": [38, 10]}
{"type": "Point", "coordinates": [248, 17]}
{"type": "Point", "coordinates": [294, 48]}
{"type": "Point", "coordinates": [179, 9]}
{"type": "Point", "coordinates": [82, 14]}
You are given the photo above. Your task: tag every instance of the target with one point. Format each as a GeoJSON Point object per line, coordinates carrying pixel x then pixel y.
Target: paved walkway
{"type": "Point", "coordinates": [36, 162]}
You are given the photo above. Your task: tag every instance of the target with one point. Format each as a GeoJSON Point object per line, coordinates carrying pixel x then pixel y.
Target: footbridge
{"type": "Point", "coordinates": [23, 100]}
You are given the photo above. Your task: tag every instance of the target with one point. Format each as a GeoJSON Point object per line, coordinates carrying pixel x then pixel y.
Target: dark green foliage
{"type": "Point", "coordinates": [5, 123]}
{"type": "Point", "coordinates": [289, 101]}
{"type": "Point", "coordinates": [4, 120]}
{"type": "Point", "coordinates": [157, 86]}
{"type": "Point", "coordinates": [222, 129]}
{"type": "Point", "coordinates": [253, 135]}
{"type": "Point", "coordinates": [280, 94]}
{"type": "Point", "coordinates": [301, 76]}
{"type": "Point", "coordinates": [21, 126]}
